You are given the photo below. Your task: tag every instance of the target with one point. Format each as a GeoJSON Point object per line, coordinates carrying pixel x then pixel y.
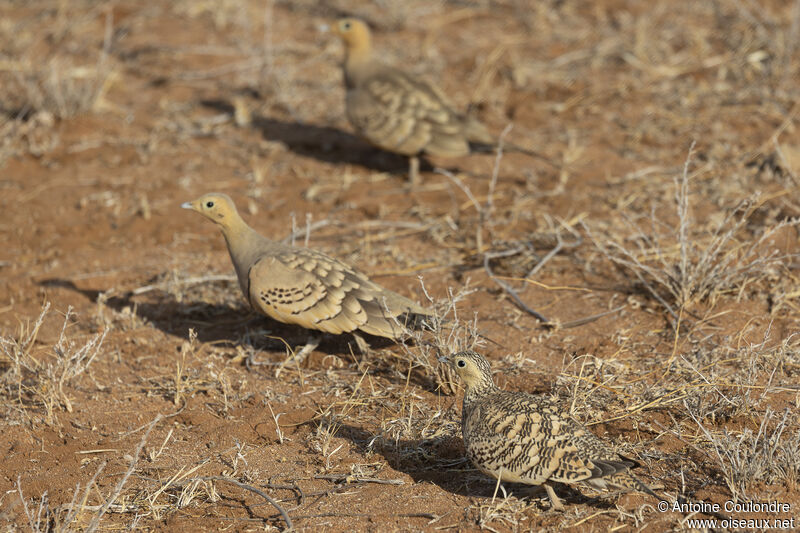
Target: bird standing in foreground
{"type": "Point", "coordinates": [306, 287]}
{"type": "Point", "coordinates": [402, 114]}
{"type": "Point", "coordinates": [525, 438]}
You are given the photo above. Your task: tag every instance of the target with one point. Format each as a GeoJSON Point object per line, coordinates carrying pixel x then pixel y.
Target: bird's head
{"type": "Point", "coordinates": [215, 206]}
{"type": "Point", "coordinates": [354, 32]}
{"type": "Point", "coordinates": [473, 369]}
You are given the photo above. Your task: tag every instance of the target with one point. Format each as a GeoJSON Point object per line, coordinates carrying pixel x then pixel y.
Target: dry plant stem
{"type": "Point", "coordinates": [506, 287]}
{"type": "Point", "coordinates": [515, 296]}
{"type": "Point", "coordinates": [461, 185]}
{"type": "Point", "coordinates": [254, 490]}
{"type": "Point", "coordinates": [183, 282]}
{"type": "Point", "coordinates": [706, 264]}
{"type": "Point", "coordinates": [348, 478]}
{"type": "Point", "coordinates": [306, 231]}
{"type": "Point", "coordinates": [588, 319]}
{"type": "Point", "coordinates": [486, 214]}
{"type": "Point", "coordinates": [118, 489]}
{"type": "Point", "coordinates": [682, 203]}
{"type": "Point", "coordinates": [548, 256]}
{"type": "Point", "coordinates": [277, 424]}
{"type": "Point", "coordinates": [34, 525]}
{"type": "Point", "coordinates": [73, 507]}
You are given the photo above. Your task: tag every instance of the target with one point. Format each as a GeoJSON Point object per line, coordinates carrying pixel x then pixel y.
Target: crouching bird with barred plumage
{"type": "Point", "coordinates": [525, 438]}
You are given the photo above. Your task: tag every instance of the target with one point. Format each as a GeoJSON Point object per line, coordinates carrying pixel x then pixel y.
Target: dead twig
{"type": "Point", "coordinates": [118, 489]}
{"type": "Point", "coordinates": [188, 281]}
{"type": "Point", "coordinates": [349, 478]}
{"type": "Point", "coordinates": [254, 490]}
{"type": "Point", "coordinates": [510, 291]}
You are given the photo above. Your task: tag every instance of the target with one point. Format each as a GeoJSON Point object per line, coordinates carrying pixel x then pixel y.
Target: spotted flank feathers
{"type": "Point", "coordinates": [525, 438]}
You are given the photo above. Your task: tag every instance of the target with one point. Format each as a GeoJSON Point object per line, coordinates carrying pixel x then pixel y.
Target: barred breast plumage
{"type": "Point", "coordinates": [525, 438]}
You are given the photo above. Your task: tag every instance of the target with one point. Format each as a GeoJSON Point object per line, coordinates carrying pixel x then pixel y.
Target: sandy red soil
{"type": "Point", "coordinates": [615, 92]}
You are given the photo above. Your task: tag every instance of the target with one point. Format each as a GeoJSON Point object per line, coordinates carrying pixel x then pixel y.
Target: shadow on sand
{"type": "Point", "coordinates": [325, 143]}
{"type": "Point", "coordinates": [232, 323]}
{"type": "Point", "coordinates": [442, 461]}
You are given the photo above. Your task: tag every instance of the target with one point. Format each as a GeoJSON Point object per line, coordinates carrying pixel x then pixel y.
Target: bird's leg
{"type": "Point", "coordinates": [413, 171]}
{"type": "Point", "coordinates": [311, 345]}
{"type": "Point", "coordinates": [554, 500]}
{"type": "Point", "coordinates": [361, 343]}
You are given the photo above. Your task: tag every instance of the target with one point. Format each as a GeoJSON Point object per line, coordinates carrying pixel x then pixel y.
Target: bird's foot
{"type": "Point", "coordinates": [311, 344]}
{"type": "Point", "coordinates": [361, 343]}
{"type": "Point", "coordinates": [413, 173]}
{"type": "Point", "coordinates": [554, 499]}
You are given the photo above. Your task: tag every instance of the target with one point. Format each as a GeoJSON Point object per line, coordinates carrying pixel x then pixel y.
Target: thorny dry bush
{"type": "Point", "coordinates": [38, 379]}
{"type": "Point", "coordinates": [45, 80]}
{"type": "Point", "coordinates": [682, 264]}
{"type": "Point", "coordinates": [705, 394]}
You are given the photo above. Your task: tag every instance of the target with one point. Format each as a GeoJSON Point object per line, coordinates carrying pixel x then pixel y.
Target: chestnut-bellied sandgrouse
{"type": "Point", "coordinates": [400, 113]}
{"type": "Point", "coordinates": [524, 438]}
{"type": "Point", "coordinates": [296, 285]}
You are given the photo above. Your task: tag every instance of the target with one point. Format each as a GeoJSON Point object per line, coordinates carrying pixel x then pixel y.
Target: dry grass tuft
{"type": "Point", "coordinates": [684, 264]}
{"type": "Point", "coordinates": [41, 379]}
{"type": "Point", "coordinates": [502, 512]}
{"type": "Point", "coordinates": [747, 458]}
{"type": "Point", "coordinates": [450, 333]}
{"type": "Point", "coordinates": [61, 88]}
{"type": "Point", "coordinates": [57, 81]}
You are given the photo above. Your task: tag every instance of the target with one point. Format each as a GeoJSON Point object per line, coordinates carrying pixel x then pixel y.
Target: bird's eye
{"type": "Point", "coordinates": [209, 204]}
{"type": "Point", "coordinates": [461, 363]}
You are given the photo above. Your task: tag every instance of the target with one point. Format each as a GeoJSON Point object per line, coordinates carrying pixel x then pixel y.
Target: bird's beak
{"type": "Point", "coordinates": [324, 28]}
{"type": "Point", "coordinates": [444, 359]}
{"type": "Point", "coordinates": [187, 205]}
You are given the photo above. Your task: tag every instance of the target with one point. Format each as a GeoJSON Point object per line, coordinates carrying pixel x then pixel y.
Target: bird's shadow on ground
{"type": "Point", "coordinates": [229, 323]}
{"type": "Point", "coordinates": [324, 143]}
{"type": "Point", "coordinates": [442, 461]}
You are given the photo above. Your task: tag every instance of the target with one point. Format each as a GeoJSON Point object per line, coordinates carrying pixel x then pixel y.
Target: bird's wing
{"type": "Point", "coordinates": [531, 441]}
{"type": "Point", "coordinates": [401, 114]}
{"type": "Point", "coordinates": [310, 289]}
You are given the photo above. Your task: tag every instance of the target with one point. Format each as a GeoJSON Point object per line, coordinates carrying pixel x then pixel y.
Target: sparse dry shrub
{"type": "Point", "coordinates": [712, 395]}
{"type": "Point", "coordinates": [683, 264]}
{"type": "Point", "coordinates": [80, 514]}
{"type": "Point", "coordinates": [40, 379]}
{"type": "Point", "coordinates": [770, 454]}
{"type": "Point", "coordinates": [450, 333]}
{"type": "Point", "coordinates": [60, 87]}
{"type": "Point", "coordinates": [54, 79]}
